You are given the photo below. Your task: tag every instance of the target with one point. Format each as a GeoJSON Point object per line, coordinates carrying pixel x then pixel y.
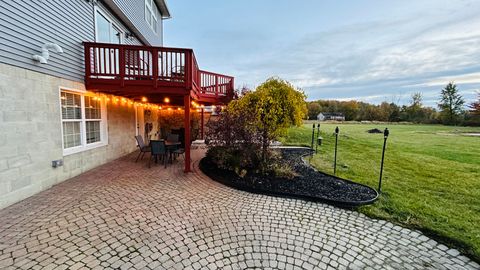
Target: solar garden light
{"type": "Point", "coordinates": [319, 141]}
{"type": "Point", "coordinates": [337, 130]}
{"type": "Point", "coordinates": [385, 137]}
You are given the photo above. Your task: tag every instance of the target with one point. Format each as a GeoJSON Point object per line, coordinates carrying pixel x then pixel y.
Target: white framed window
{"type": "Point", "coordinates": [106, 31]}
{"type": "Point", "coordinates": [151, 14]}
{"type": "Point", "coordinates": [84, 124]}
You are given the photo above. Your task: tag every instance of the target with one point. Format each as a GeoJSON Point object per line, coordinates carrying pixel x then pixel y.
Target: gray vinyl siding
{"type": "Point", "coordinates": [123, 28]}
{"type": "Point", "coordinates": [136, 14]}
{"type": "Point", "coordinates": [26, 25]}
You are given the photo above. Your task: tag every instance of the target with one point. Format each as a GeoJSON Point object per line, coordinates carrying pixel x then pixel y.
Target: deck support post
{"type": "Point", "coordinates": [201, 124]}
{"type": "Point", "coordinates": [186, 103]}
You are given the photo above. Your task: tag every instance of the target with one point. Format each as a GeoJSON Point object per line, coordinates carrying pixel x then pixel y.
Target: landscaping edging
{"type": "Point", "coordinates": [273, 186]}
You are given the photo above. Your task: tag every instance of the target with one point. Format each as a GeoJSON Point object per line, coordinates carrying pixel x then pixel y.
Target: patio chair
{"type": "Point", "coordinates": [173, 137]}
{"type": "Point", "coordinates": [158, 151]}
{"type": "Point", "coordinates": [143, 148]}
{"type": "Point", "coordinates": [178, 150]}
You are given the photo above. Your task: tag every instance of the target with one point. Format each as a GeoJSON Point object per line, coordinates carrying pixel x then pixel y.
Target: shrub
{"type": "Point", "coordinates": [241, 161]}
{"type": "Point", "coordinates": [275, 106]}
{"type": "Point", "coordinates": [232, 129]}
{"type": "Point", "coordinates": [284, 171]}
{"type": "Point", "coordinates": [239, 140]}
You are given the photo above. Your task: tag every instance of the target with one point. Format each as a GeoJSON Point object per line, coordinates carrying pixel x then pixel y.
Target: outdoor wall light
{"type": "Point", "coordinates": [144, 99]}
{"type": "Point", "coordinates": [166, 100]}
{"type": "Point", "coordinates": [45, 52]}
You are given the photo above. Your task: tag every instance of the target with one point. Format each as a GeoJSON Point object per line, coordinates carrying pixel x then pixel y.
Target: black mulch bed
{"type": "Point", "coordinates": [310, 184]}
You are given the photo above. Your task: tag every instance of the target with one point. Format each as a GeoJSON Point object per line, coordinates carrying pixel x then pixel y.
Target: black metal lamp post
{"type": "Point", "coordinates": [385, 137]}
{"type": "Point", "coordinates": [337, 130]}
{"type": "Point", "coordinates": [313, 134]}
{"type": "Point", "coordinates": [318, 138]}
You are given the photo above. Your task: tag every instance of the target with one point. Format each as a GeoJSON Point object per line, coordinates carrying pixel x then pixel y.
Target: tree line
{"type": "Point", "coordinates": [451, 109]}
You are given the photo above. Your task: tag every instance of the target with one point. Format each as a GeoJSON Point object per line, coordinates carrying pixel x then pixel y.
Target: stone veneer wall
{"type": "Point", "coordinates": [30, 134]}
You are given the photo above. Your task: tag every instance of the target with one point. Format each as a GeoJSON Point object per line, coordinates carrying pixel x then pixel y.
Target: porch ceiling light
{"type": "Point", "coordinates": [144, 99]}
{"type": "Point", "coordinates": [166, 100]}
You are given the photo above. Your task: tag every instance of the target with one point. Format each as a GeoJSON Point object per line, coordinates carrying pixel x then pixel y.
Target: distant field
{"type": "Point", "coordinates": [431, 177]}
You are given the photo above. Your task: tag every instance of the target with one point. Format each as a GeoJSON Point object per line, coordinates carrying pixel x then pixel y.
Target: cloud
{"type": "Point", "coordinates": [469, 78]}
{"type": "Point", "coordinates": [376, 60]}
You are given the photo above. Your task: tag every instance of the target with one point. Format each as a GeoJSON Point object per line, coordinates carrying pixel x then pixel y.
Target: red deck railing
{"type": "Point", "coordinates": [153, 68]}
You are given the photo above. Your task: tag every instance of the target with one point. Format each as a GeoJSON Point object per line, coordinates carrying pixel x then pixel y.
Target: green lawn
{"type": "Point", "coordinates": [431, 177]}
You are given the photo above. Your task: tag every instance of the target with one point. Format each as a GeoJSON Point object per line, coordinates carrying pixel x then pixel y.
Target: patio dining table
{"type": "Point", "coordinates": [170, 146]}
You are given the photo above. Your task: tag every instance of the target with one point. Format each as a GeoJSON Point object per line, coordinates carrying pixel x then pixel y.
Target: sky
{"type": "Point", "coordinates": [369, 50]}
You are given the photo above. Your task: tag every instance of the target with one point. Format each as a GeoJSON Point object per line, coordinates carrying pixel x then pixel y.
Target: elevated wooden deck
{"type": "Point", "coordinates": [153, 72]}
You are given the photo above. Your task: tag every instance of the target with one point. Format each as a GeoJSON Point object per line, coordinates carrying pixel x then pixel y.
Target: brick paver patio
{"type": "Point", "coordinates": [125, 216]}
